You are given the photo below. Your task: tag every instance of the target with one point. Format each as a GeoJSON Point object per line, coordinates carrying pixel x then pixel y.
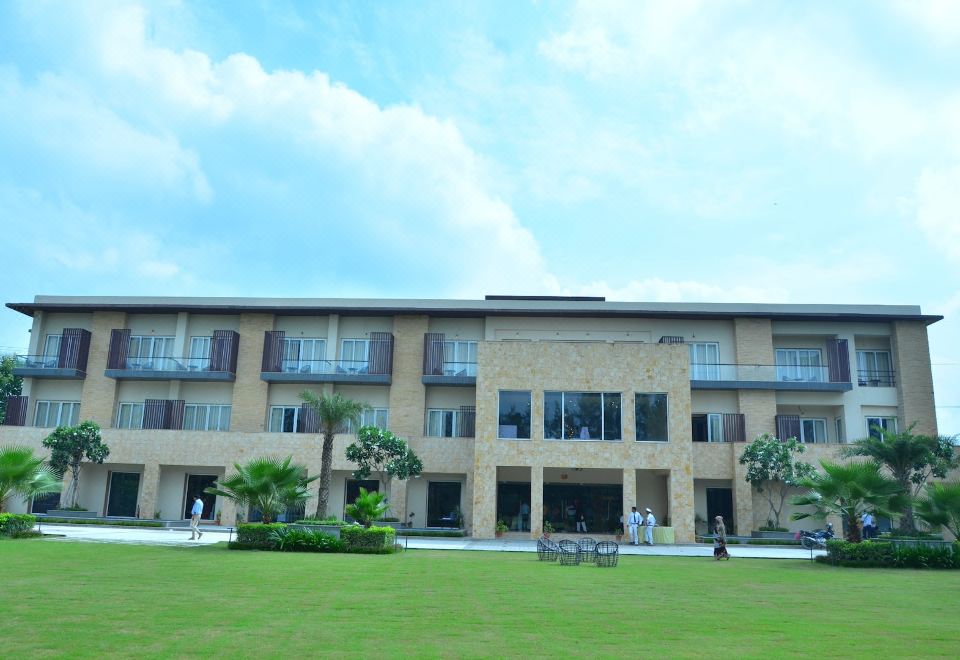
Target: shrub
{"type": "Point", "coordinates": [305, 540]}
{"type": "Point", "coordinates": [772, 542]}
{"type": "Point", "coordinates": [52, 520]}
{"type": "Point", "coordinates": [12, 524]}
{"type": "Point", "coordinates": [449, 533]}
{"type": "Point", "coordinates": [257, 535]}
{"type": "Point", "coordinates": [332, 520]}
{"type": "Point", "coordinates": [870, 554]}
{"type": "Point", "coordinates": [773, 528]}
{"type": "Point", "coordinates": [371, 540]}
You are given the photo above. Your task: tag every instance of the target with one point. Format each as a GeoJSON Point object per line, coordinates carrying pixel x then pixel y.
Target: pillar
{"type": "Point", "coordinates": [914, 379]}
{"type": "Point", "coordinates": [398, 499]}
{"type": "Point", "coordinates": [629, 491]}
{"type": "Point", "coordinates": [149, 490]}
{"type": "Point", "coordinates": [536, 501]}
{"type": "Point", "coordinates": [484, 500]}
{"type": "Point", "coordinates": [742, 502]}
{"type": "Point", "coordinates": [98, 397]}
{"type": "Point", "coordinates": [250, 392]}
{"type": "Point", "coordinates": [680, 495]}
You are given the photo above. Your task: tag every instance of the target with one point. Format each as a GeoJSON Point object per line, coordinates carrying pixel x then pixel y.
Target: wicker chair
{"type": "Point", "coordinates": [588, 549]}
{"type": "Point", "coordinates": [569, 553]}
{"type": "Point", "coordinates": [607, 553]}
{"type": "Point", "coordinates": [547, 550]}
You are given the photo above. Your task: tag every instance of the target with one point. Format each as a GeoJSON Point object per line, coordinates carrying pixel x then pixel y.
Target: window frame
{"type": "Point", "coordinates": [365, 421]}
{"type": "Point", "coordinates": [454, 419]}
{"type": "Point", "coordinates": [666, 415]}
{"type": "Point", "coordinates": [529, 435]}
{"type": "Point", "coordinates": [814, 420]}
{"type": "Point", "coordinates": [455, 346]}
{"type": "Point", "coordinates": [283, 409]}
{"type": "Point", "coordinates": [884, 419]}
{"type": "Point", "coordinates": [73, 417]}
{"type": "Point", "coordinates": [784, 369]}
{"type": "Point", "coordinates": [208, 410]}
{"type": "Point", "coordinates": [563, 416]}
{"type": "Point", "coordinates": [884, 377]}
{"type": "Point", "coordinates": [133, 406]}
{"type": "Point", "coordinates": [705, 370]}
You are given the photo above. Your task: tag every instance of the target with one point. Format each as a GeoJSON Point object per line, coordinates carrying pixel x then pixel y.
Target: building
{"type": "Point", "coordinates": [552, 405]}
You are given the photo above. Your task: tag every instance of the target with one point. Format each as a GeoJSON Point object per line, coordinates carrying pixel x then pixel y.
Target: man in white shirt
{"type": "Point", "coordinates": [866, 521]}
{"type": "Point", "coordinates": [648, 531]}
{"type": "Point", "coordinates": [195, 514]}
{"type": "Point", "coordinates": [633, 522]}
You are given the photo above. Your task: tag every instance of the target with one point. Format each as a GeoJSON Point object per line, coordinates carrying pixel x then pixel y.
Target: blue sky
{"type": "Point", "coordinates": [683, 150]}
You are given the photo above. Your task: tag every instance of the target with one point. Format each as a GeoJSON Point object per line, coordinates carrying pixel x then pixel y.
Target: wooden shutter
{"type": "Point", "coordinates": [467, 422]}
{"type": "Point", "coordinates": [173, 411]}
{"type": "Point", "coordinates": [155, 414]}
{"type": "Point", "coordinates": [381, 353]}
{"type": "Point", "coordinates": [272, 350]}
{"type": "Point", "coordinates": [119, 348]}
{"type": "Point", "coordinates": [839, 360]}
{"type": "Point", "coordinates": [433, 354]}
{"type": "Point", "coordinates": [223, 351]}
{"type": "Point", "coordinates": [16, 414]}
{"type": "Point", "coordinates": [308, 421]}
{"type": "Point", "coordinates": [74, 349]}
{"type": "Point", "coordinates": [734, 427]}
{"type": "Point", "coordinates": [788, 426]}
{"type": "Point", "coordinates": [669, 339]}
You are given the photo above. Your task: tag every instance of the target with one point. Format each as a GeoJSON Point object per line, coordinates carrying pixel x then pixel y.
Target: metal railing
{"type": "Point", "coordinates": [36, 361]}
{"type": "Point", "coordinates": [760, 373]}
{"type": "Point", "coordinates": [345, 367]}
{"type": "Point", "coordinates": [875, 378]}
{"type": "Point", "coordinates": [167, 364]}
{"type": "Point", "coordinates": [459, 368]}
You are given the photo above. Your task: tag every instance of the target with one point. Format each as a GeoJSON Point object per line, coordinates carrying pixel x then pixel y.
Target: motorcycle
{"type": "Point", "coordinates": [817, 539]}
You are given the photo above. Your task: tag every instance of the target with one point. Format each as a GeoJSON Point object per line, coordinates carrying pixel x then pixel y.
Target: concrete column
{"type": "Point", "coordinates": [742, 501]}
{"type": "Point", "coordinates": [407, 392]}
{"type": "Point", "coordinates": [149, 489]}
{"type": "Point", "coordinates": [249, 391]}
{"type": "Point", "coordinates": [333, 336]}
{"type": "Point", "coordinates": [484, 500]}
{"type": "Point", "coordinates": [629, 491]}
{"type": "Point", "coordinates": [228, 511]}
{"type": "Point", "coordinates": [466, 502]}
{"type": "Point", "coordinates": [36, 334]}
{"type": "Point", "coordinates": [98, 400]}
{"type": "Point", "coordinates": [180, 339]}
{"type": "Point", "coordinates": [680, 496]}
{"type": "Point", "coordinates": [536, 501]}
{"type": "Point", "coordinates": [398, 499]}
{"type": "Point", "coordinates": [911, 359]}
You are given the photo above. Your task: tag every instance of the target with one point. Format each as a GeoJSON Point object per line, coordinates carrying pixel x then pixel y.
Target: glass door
{"type": "Point", "coordinates": [720, 503]}
{"type": "Point", "coordinates": [443, 503]}
{"type": "Point", "coordinates": [124, 490]}
{"type": "Point", "coordinates": [195, 485]}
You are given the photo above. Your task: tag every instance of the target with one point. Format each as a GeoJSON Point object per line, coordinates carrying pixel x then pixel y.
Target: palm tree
{"type": "Point", "coordinates": [911, 460]}
{"type": "Point", "coordinates": [941, 506]}
{"type": "Point", "coordinates": [268, 484]}
{"type": "Point", "coordinates": [333, 413]}
{"type": "Point", "coordinates": [368, 506]}
{"type": "Point", "coordinates": [24, 474]}
{"type": "Point", "coordinates": [847, 490]}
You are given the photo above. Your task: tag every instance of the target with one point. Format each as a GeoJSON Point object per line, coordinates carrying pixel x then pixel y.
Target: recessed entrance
{"type": "Point", "coordinates": [443, 503]}
{"type": "Point", "coordinates": [195, 485]}
{"type": "Point", "coordinates": [123, 492]}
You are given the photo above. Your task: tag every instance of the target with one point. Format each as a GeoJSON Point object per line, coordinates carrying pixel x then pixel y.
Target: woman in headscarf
{"type": "Point", "coordinates": [720, 540]}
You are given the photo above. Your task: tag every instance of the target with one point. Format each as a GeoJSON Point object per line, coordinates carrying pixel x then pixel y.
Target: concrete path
{"type": "Point", "coordinates": [181, 537]}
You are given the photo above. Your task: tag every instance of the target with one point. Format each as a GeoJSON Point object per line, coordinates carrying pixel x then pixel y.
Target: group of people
{"type": "Point", "coordinates": [635, 521]}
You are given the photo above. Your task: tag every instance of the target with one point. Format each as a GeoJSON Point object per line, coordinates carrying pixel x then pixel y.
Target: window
{"type": "Point", "coordinates": [581, 416]}
{"type": "Point", "coordinates": [57, 413]}
{"type": "Point", "coordinates": [813, 431]}
{"type": "Point", "coordinates": [460, 358]}
{"type": "Point", "coordinates": [514, 415]}
{"type": "Point", "coordinates": [839, 424]}
{"type": "Point", "coordinates": [373, 417]}
{"type": "Point", "coordinates": [707, 427]}
{"type": "Point", "coordinates": [206, 417]}
{"type": "Point", "coordinates": [651, 415]}
{"type": "Point", "coordinates": [283, 419]}
{"type": "Point", "coordinates": [199, 353]}
{"type": "Point", "coordinates": [442, 423]}
{"type": "Point", "coordinates": [304, 355]}
{"type": "Point", "coordinates": [130, 416]}
{"type": "Point", "coordinates": [147, 352]}
{"type": "Point", "coordinates": [873, 369]}
{"type": "Point", "coordinates": [51, 350]}
{"type": "Point", "coordinates": [800, 365]}
{"type": "Point", "coordinates": [886, 423]}
{"type": "Point", "coordinates": [705, 361]}
{"type": "Point", "coordinates": [356, 351]}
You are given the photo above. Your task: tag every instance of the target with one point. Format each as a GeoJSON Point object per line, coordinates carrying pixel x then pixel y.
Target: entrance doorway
{"type": "Point", "coordinates": [353, 487]}
{"type": "Point", "coordinates": [598, 504]}
{"type": "Point", "coordinates": [122, 495]}
{"type": "Point", "coordinates": [195, 485]}
{"type": "Point", "coordinates": [513, 505]}
{"type": "Point", "coordinates": [720, 503]}
{"type": "Point", "coordinates": [443, 503]}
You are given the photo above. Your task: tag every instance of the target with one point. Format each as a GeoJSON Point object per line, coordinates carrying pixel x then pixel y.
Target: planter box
{"type": "Point", "coordinates": [59, 513]}
{"type": "Point", "coordinates": [333, 530]}
{"type": "Point", "coordinates": [786, 536]}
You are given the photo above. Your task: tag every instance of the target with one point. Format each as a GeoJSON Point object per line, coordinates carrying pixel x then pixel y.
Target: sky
{"type": "Point", "coordinates": [692, 151]}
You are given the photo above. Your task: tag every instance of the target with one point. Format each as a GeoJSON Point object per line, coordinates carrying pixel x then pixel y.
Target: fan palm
{"type": "Point", "coordinates": [333, 414]}
{"type": "Point", "coordinates": [268, 484]}
{"type": "Point", "coordinates": [24, 474]}
{"type": "Point", "coordinates": [368, 506]}
{"type": "Point", "coordinates": [941, 506]}
{"type": "Point", "coordinates": [847, 490]}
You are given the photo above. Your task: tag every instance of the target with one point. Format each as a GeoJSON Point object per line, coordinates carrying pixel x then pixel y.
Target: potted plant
{"type": "Point", "coordinates": [548, 528]}
{"type": "Point", "coordinates": [501, 528]}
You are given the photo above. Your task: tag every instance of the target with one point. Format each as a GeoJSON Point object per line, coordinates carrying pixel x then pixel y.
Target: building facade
{"type": "Point", "coordinates": [522, 409]}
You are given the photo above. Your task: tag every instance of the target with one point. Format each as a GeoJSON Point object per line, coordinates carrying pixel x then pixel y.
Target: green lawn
{"type": "Point", "coordinates": [86, 599]}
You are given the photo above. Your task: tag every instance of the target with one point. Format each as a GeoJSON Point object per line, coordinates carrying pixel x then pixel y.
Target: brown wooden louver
{"type": "Point", "coordinates": [119, 348]}
{"type": "Point", "coordinates": [308, 421]}
{"type": "Point", "coordinates": [223, 351]}
{"type": "Point", "coordinates": [381, 353]}
{"type": "Point", "coordinates": [74, 349]}
{"type": "Point", "coordinates": [734, 427]}
{"type": "Point", "coordinates": [433, 354]}
{"type": "Point", "coordinates": [467, 422]}
{"type": "Point", "coordinates": [272, 351]}
{"type": "Point", "coordinates": [669, 339]}
{"type": "Point", "coordinates": [788, 426]}
{"type": "Point", "coordinates": [838, 361]}
{"type": "Point", "coordinates": [16, 414]}
{"type": "Point", "coordinates": [163, 414]}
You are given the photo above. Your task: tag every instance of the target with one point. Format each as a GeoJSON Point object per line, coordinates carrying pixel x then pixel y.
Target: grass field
{"type": "Point", "coordinates": [86, 599]}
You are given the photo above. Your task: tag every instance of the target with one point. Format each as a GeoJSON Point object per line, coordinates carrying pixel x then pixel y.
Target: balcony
{"type": "Point", "coordinates": [462, 374]}
{"type": "Point", "coordinates": [449, 362]}
{"type": "Point", "coordinates": [66, 360]}
{"type": "Point", "coordinates": [874, 378]}
{"type": "Point", "coordinates": [326, 371]}
{"type": "Point", "coordinates": [169, 368]}
{"type": "Point", "coordinates": [767, 377]}
{"type": "Point", "coordinates": [44, 366]}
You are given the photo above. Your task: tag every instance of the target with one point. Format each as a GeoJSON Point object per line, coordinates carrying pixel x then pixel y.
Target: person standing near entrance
{"type": "Point", "coordinates": [633, 522]}
{"type": "Point", "coordinates": [195, 514]}
{"type": "Point", "coordinates": [524, 516]}
{"type": "Point", "coordinates": [648, 531]}
{"type": "Point", "coordinates": [866, 521]}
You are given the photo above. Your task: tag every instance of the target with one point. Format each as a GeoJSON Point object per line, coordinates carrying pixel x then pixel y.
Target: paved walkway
{"type": "Point", "coordinates": [181, 537]}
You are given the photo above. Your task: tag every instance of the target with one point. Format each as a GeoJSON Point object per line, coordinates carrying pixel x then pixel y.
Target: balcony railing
{"type": "Point", "coordinates": [874, 378]}
{"type": "Point", "coordinates": [171, 368]}
{"type": "Point", "coordinates": [168, 364]}
{"type": "Point", "coordinates": [460, 369]}
{"type": "Point", "coordinates": [35, 361]}
{"type": "Point", "coordinates": [771, 376]}
{"type": "Point", "coordinates": [346, 367]}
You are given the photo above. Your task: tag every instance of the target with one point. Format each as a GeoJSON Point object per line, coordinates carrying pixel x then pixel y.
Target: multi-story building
{"type": "Point", "coordinates": [551, 406]}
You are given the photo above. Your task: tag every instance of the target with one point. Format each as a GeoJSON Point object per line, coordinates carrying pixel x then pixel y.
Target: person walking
{"type": "Point", "coordinates": [195, 514]}
{"type": "Point", "coordinates": [633, 523]}
{"type": "Point", "coordinates": [648, 531]}
{"type": "Point", "coordinates": [720, 540]}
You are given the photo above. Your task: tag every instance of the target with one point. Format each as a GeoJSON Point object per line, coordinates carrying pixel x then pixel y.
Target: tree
{"type": "Point", "coordinates": [23, 474]}
{"type": "Point", "coordinates": [941, 506]}
{"type": "Point", "coordinates": [772, 469]}
{"type": "Point", "coordinates": [333, 412]}
{"type": "Point", "coordinates": [380, 451]}
{"type": "Point", "coordinates": [911, 460]}
{"type": "Point", "coordinates": [268, 484]}
{"type": "Point", "coordinates": [847, 490]}
{"type": "Point", "coordinates": [69, 446]}
{"type": "Point", "coordinates": [10, 385]}
{"type": "Point", "coordinates": [368, 506]}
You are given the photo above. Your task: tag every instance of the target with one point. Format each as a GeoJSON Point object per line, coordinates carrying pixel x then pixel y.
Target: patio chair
{"type": "Point", "coordinates": [588, 549]}
{"type": "Point", "coordinates": [569, 553]}
{"type": "Point", "coordinates": [547, 550]}
{"type": "Point", "coordinates": [607, 553]}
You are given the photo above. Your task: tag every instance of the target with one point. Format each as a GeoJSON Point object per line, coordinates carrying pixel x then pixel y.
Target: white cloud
{"type": "Point", "coordinates": [938, 208]}
{"type": "Point", "coordinates": [937, 18]}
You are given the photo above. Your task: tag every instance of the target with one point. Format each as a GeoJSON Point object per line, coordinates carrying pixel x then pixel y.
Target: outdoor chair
{"type": "Point", "coordinates": [569, 553]}
{"type": "Point", "coordinates": [607, 553]}
{"type": "Point", "coordinates": [547, 550]}
{"type": "Point", "coordinates": [588, 549]}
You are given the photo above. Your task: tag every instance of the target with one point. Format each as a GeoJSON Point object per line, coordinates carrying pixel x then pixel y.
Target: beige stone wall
{"type": "Point", "coordinates": [407, 391]}
{"type": "Point", "coordinates": [99, 397]}
{"type": "Point", "coordinates": [911, 357]}
{"type": "Point", "coordinates": [753, 340]}
{"type": "Point", "coordinates": [249, 412]}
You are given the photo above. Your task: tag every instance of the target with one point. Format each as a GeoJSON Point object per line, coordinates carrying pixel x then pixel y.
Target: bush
{"type": "Point", "coordinates": [388, 519]}
{"type": "Point", "coordinates": [98, 521]}
{"type": "Point", "coordinates": [257, 535]}
{"type": "Point", "coordinates": [12, 524]}
{"type": "Point", "coordinates": [772, 542]}
{"type": "Point", "coordinates": [305, 540]}
{"type": "Point", "coordinates": [369, 540]}
{"type": "Point", "coordinates": [450, 533]}
{"type": "Point", "coordinates": [773, 528]}
{"type": "Point", "coordinates": [872, 554]}
{"type": "Point", "coordinates": [332, 521]}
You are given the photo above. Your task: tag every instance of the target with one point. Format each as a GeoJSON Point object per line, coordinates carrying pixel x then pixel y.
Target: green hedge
{"type": "Point", "coordinates": [98, 521]}
{"type": "Point", "coordinates": [257, 535]}
{"type": "Point", "coordinates": [773, 542]}
{"type": "Point", "coordinates": [369, 540]}
{"type": "Point", "coordinates": [450, 533]}
{"type": "Point", "coordinates": [13, 524]}
{"type": "Point", "coordinates": [874, 554]}
{"type": "Point", "coordinates": [305, 540]}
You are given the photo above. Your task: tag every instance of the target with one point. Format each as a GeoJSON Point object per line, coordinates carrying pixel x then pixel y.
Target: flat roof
{"type": "Point", "coordinates": [492, 306]}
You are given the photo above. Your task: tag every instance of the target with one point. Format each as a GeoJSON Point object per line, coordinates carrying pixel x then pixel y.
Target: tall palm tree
{"type": "Point", "coordinates": [268, 484]}
{"type": "Point", "coordinates": [333, 414]}
{"type": "Point", "coordinates": [24, 474]}
{"type": "Point", "coordinates": [847, 490]}
{"type": "Point", "coordinates": [941, 506]}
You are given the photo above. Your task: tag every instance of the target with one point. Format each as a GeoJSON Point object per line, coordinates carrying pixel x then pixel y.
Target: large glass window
{"type": "Point", "coordinates": [304, 355]}
{"type": "Point", "coordinates": [283, 419]}
{"type": "Point", "coordinates": [206, 417]}
{"type": "Point", "coordinates": [355, 351]}
{"type": "Point", "coordinates": [130, 416]}
{"type": "Point", "coordinates": [146, 352]}
{"type": "Point", "coordinates": [705, 361]}
{"type": "Point", "coordinates": [885, 423]}
{"type": "Point", "coordinates": [707, 427]}
{"type": "Point", "coordinates": [199, 353]}
{"type": "Point", "coordinates": [57, 413]}
{"type": "Point", "coordinates": [813, 431]}
{"type": "Point", "coordinates": [51, 350]}
{"type": "Point", "coordinates": [873, 369]}
{"type": "Point", "coordinates": [581, 416]}
{"type": "Point", "coordinates": [378, 417]}
{"type": "Point", "coordinates": [442, 423]}
{"type": "Point", "coordinates": [651, 415]}
{"type": "Point", "coordinates": [514, 415]}
{"type": "Point", "coordinates": [460, 358]}
{"type": "Point", "coordinates": [799, 364]}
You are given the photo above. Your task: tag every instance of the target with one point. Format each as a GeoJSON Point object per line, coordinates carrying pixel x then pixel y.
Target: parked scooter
{"type": "Point", "coordinates": [817, 539]}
